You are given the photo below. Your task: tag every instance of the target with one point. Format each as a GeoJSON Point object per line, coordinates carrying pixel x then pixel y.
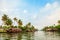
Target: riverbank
{"type": "Point", "coordinates": [9, 25]}
{"type": "Point", "coordinates": [16, 30]}
{"type": "Point", "coordinates": [52, 28]}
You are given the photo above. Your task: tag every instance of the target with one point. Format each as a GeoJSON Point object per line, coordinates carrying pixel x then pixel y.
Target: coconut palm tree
{"type": "Point", "coordinates": [20, 23]}
{"type": "Point", "coordinates": [28, 25]}
{"type": "Point", "coordinates": [8, 22]}
{"type": "Point", "coordinates": [15, 19]}
{"type": "Point", "coordinates": [4, 17]}
{"type": "Point", "coordinates": [59, 22]}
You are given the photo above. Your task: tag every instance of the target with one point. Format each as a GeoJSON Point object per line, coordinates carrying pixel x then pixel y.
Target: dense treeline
{"type": "Point", "coordinates": [53, 27]}
{"type": "Point", "coordinates": [9, 27]}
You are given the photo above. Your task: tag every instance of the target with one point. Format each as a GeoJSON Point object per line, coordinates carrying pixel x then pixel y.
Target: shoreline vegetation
{"type": "Point", "coordinates": [52, 28]}
{"type": "Point", "coordinates": [8, 27]}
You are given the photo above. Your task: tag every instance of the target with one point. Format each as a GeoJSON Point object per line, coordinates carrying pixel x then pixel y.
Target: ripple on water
{"type": "Point", "coordinates": [39, 35]}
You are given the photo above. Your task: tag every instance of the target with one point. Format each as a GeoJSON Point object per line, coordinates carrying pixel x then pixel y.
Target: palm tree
{"type": "Point", "coordinates": [59, 22]}
{"type": "Point", "coordinates": [20, 23]}
{"type": "Point", "coordinates": [4, 18]}
{"type": "Point", "coordinates": [15, 19]}
{"type": "Point", "coordinates": [8, 22]}
{"type": "Point", "coordinates": [28, 25]}
{"type": "Point", "coordinates": [32, 27]}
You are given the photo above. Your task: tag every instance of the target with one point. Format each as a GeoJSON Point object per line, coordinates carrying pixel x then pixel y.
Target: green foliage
{"type": "Point", "coordinates": [6, 20]}
{"type": "Point", "coordinates": [58, 21]}
{"type": "Point", "coordinates": [8, 23]}
{"type": "Point", "coordinates": [54, 27]}
{"type": "Point", "coordinates": [15, 19]}
{"type": "Point", "coordinates": [46, 27]}
{"type": "Point", "coordinates": [15, 26]}
{"type": "Point", "coordinates": [20, 23]}
{"type": "Point", "coordinates": [58, 26]}
{"type": "Point", "coordinates": [6, 27]}
{"type": "Point", "coordinates": [4, 17]}
{"type": "Point", "coordinates": [32, 27]}
{"type": "Point", "coordinates": [23, 28]}
{"type": "Point", "coordinates": [19, 26]}
{"type": "Point", "coordinates": [29, 24]}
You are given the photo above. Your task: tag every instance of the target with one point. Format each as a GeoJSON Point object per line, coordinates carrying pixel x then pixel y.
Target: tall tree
{"type": "Point", "coordinates": [20, 23]}
{"type": "Point", "coordinates": [28, 25]}
{"type": "Point", "coordinates": [6, 20]}
{"type": "Point", "coordinates": [15, 19]}
{"type": "Point", "coordinates": [4, 17]}
{"type": "Point", "coordinates": [59, 22]}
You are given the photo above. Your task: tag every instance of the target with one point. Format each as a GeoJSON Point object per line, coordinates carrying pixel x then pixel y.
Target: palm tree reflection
{"type": "Point", "coordinates": [17, 36]}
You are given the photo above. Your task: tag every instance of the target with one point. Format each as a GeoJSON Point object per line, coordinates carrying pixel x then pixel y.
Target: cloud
{"type": "Point", "coordinates": [47, 15]}
{"type": "Point", "coordinates": [49, 7]}
{"type": "Point", "coordinates": [50, 13]}
{"type": "Point", "coordinates": [25, 11]}
{"type": "Point", "coordinates": [34, 16]}
{"type": "Point", "coordinates": [54, 13]}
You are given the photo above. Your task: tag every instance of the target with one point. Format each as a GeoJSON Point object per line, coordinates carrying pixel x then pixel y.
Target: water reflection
{"type": "Point", "coordinates": [52, 35]}
{"type": "Point", "coordinates": [39, 35]}
{"type": "Point", "coordinates": [17, 36]}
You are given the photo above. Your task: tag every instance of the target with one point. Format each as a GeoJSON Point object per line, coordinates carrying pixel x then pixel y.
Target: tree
{"type": "Point", "coordinates": [4, 17]}
{"type": "Point", "coordinates": [15, 19]}
{"type": "Point", "coordinates": [6, 20]}
{"type": "Point", "coordinates": [59, 22]}
{"type": "Point", "coordinates": [32, 27]}
{"type": "Point", "coordinates": [20, 23]}
{"type": "Point", "coordinates": [46, 27]}
{"type": "Point", "coordinates": [28, 25]}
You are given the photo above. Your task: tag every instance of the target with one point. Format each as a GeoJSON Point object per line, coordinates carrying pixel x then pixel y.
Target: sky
{"type": "Point", "coordinates": [39, 12]}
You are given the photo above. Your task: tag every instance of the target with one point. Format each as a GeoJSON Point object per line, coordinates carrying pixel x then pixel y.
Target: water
{"type": "Point", "coordinates": [39, 35]}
